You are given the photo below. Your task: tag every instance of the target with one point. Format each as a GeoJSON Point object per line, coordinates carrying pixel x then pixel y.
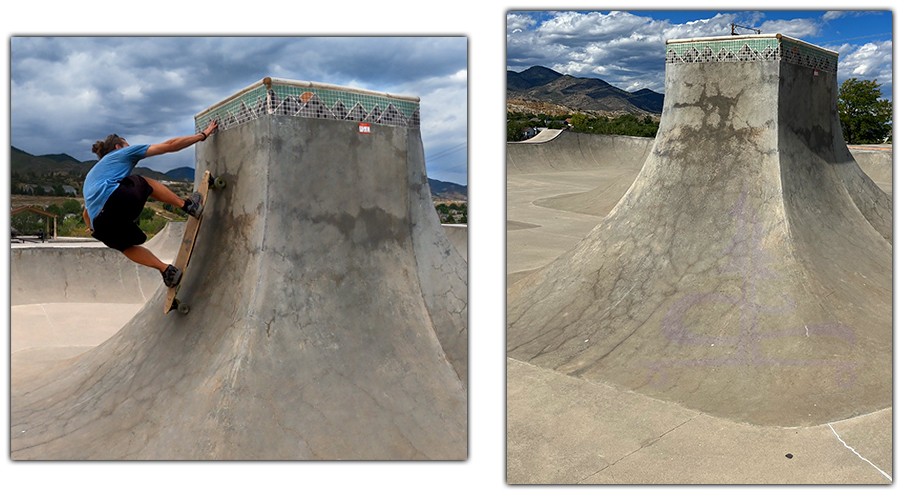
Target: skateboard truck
{"type": "Point", "coordinates": [182, 307]}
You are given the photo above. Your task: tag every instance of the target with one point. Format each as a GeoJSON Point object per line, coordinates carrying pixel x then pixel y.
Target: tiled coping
{"type": "Point", "coordinates": [311, 100]}
{"type": "Point", "coordinates": [751, 48]}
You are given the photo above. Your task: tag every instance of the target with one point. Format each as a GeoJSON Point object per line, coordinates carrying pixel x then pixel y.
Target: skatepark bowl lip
{"type": "Point", "coordinates": [70, 314]}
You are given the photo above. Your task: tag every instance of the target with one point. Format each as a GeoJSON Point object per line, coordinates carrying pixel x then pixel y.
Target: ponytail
{"type": "Point", "coordinates": [101, 148]}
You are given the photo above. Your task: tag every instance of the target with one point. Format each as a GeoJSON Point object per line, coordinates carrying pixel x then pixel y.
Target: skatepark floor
{"type": "Point", "coordinates": [564, 430]}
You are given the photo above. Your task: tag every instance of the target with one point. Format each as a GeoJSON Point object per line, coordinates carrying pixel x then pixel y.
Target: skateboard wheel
{"type": "Point", "coordinates": [184, 308]}
{"type": "Point", "coordinates": [219, 182]}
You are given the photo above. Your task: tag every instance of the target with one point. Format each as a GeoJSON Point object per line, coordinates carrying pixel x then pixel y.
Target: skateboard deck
{"type": "Point", "coordinates": [187, 244]}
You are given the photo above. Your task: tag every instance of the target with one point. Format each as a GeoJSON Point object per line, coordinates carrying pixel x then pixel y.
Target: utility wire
{"type": "Point", "coordinates": [857, 38]}
{"type": "Point", "coordinates": [457, 166]}
{"type": "Point", "coordinates": [443, 154]}
{"type": "Point", "coordinates": [447, 151]}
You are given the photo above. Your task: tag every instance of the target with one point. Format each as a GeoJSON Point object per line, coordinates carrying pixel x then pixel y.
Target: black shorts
{"type": "Point", "coordinates": [116, 224]}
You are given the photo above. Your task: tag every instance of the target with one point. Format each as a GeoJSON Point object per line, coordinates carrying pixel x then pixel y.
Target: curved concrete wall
{"type": "Point", "coordinates": [328, 320]}
{"type": "Point", "coordinates": [576, 151]}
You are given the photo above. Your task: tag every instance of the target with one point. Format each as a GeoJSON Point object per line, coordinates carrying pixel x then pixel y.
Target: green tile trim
{"type": "Point", "coordinates": [310, 100]}
{"type": "Point", "coordinates": [751, 48]}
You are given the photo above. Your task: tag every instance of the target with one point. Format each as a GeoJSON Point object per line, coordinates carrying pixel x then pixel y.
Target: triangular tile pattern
{"type": "Point", "coordinates": [244, 114]}
{"type": "Point", "coordinates": [229, 121]}
{"type": "Point", "coordinates": [672, 56]}
{"type": "Point", "coordinates": [308, 105]}
{"type": "Point", "coordinates": [315, 108]}
{"type": "Point", "coordinates": [691, 55]}
{"type": "Point", "coordinates": [357, 113]}
{"type": "Point", "coordinates": [339, 110]}
{"type": "Point", "coordinates": [289, 106]}
{"type": "Point", "coordinates": [392, 117]}
{"type": "Point", "coordinates": [746, 53]}
{"type": "Point", "coordinates": [260, 108]}
{"type": "Point", "coordinates": [374, 114]}
{"type": "Point", "coordinates": [273, 102]}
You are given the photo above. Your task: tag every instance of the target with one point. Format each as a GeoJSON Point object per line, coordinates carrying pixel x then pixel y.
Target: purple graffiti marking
{"type": "Point", "coordinates": [749, 260]}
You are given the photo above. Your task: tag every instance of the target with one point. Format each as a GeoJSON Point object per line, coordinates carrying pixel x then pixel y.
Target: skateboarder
{"type": "Point", "coordinates": [114, 198]}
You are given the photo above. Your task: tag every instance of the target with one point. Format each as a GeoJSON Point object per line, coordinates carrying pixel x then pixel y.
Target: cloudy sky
{"type": "Point", "coordinates": [68, 92]}
{"type": "Point", "coordinates": [627, 49]}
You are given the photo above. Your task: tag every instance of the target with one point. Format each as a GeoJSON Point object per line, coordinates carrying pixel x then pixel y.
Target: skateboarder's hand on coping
{"type": "Point", "coordinates": [177, 144]}
{"type": "Point", "coordinates": [213, 125]}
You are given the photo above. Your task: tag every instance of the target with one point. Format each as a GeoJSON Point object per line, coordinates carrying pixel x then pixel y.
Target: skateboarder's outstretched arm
{"type": "Point", "coordinates": [177, 144]}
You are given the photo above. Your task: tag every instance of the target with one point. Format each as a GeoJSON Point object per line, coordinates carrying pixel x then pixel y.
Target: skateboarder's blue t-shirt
{"type": "Point", "coordinates": [104, 177]}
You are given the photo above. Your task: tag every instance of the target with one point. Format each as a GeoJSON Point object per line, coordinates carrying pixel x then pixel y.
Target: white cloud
{"type": "Point", "coordinates": [796, 28]}
{"type": "Point", "coordinates": [627, 49]}
{"type": "Point", "coordinates": [518, 23]}
{"type": "Point", "coordinates": [869, 61]}
{"type": "Point", "coordinates": [68, 92]}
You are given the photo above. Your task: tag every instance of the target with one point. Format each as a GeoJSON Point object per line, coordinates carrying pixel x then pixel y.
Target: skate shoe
{"type": "Point", "coordinates": [172, 276]}
{"type": "Point", "coordinates": [193, 206]}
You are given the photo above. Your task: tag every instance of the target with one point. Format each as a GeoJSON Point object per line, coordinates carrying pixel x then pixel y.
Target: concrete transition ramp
{"type": "Point", "coordinates": [877, 161]}
{"type": "Point", "coordinates": [571, 151]}
{"type": "Point", "coordinates": [64, 274]}
{"type": "Point", "coordinates": [747, 272]}
{"type": "Point", "coordinates": [328, 312]}
{"type": "Point", "coordinates": [166, 243]}
{"type": "Point", "coordinates": [459, 236]}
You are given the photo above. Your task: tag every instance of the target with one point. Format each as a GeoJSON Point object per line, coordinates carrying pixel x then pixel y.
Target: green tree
{"type": "Point", "coordinates": [864, 117]}
{"type": "Point", "coordinates": [515, 130]}
{"type": "Point", "coordinates": [72, 206]}
{"type": "Point", "coordinates": [55, 209]}
{"type": "Point", "coordinates": [146, 214]}
{"type": "Point", "coordinates": [579, 123]}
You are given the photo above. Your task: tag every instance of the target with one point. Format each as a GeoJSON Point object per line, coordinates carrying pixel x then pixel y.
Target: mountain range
{"type": "Point", "coordinates": [22, 163]}
{"type": "Point", "coordinates": [579, 94]}
{"type": "Point", "coordinates": [69, 170]}
{"type": "Point", "coordinates": [444, 191]}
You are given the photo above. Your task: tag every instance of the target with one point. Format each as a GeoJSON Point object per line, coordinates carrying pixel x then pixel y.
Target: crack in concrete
{"type": "Point", "coordinates": [642, 447]}
{"type": "Point", "coordinates": [857, 454]}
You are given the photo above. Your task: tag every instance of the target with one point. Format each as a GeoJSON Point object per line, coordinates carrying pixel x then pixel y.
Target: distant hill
{"type": "Point", "coordinates": [61, 157]}
{"type": "Point", "coordinates": [445, 191]}
{"type": "Point", "coordinates": [182, 173]}
{"type": "Point", "coordinates": [22, 162]}
{"type": "Point", "coordinates": [545, 85]}
{"type": "Point", "coordinates": [64, 170]}
{"type": "Point", "coordinates": [152, 174]}
{"type": "Point", "coordinates": [530, 78]}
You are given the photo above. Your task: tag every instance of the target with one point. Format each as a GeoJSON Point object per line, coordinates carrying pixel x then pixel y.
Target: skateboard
{"type": "Point", "coordinates": [187, 243]}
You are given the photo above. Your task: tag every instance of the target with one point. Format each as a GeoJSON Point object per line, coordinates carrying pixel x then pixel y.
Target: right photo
{"type": "Point", "coordinates": [699, 247]}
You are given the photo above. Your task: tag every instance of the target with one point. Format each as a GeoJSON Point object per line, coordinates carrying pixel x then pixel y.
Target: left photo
{"type": "Point", "coordinates": [239, 248]}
